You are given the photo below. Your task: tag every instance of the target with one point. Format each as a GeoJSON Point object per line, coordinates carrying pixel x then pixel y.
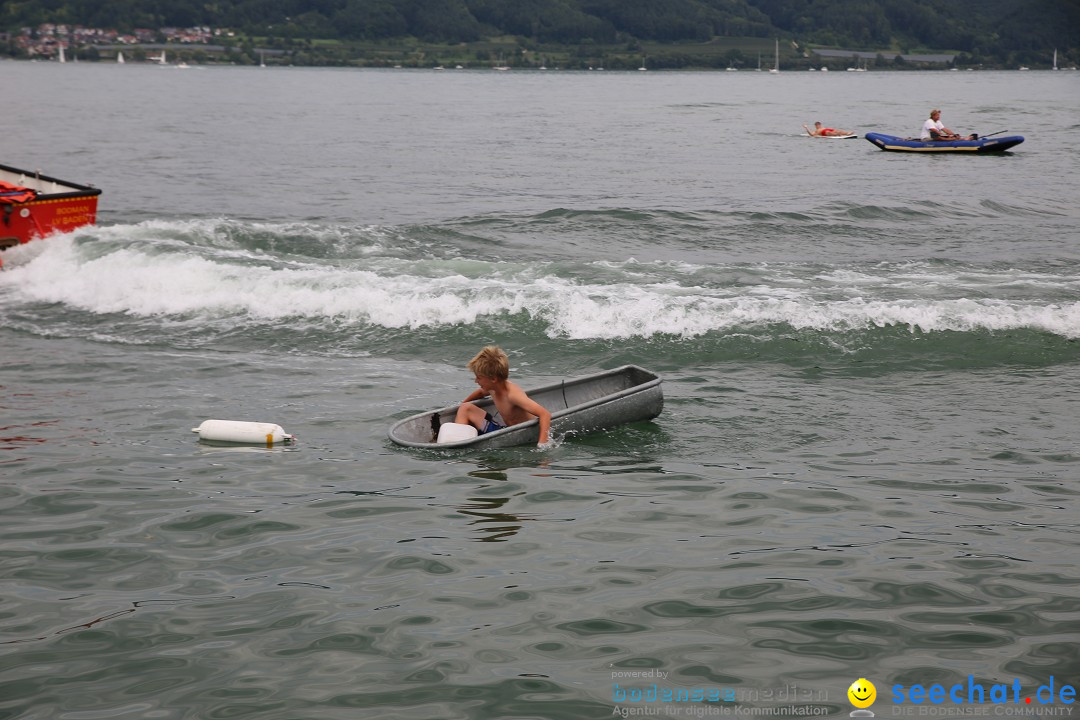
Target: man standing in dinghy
{"type": "Point", "coordinates": [492, 370]}
{"type": "Point", "coordinates": [934, 130]}
{"type": "Point", "coordinates": [820, 131]}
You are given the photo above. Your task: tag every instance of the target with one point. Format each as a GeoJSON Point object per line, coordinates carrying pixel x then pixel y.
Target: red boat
{"type": "Point", "coordinates": [33, 205]}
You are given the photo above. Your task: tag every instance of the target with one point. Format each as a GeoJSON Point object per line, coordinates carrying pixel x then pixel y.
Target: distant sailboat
{"type": "Point", "coordinates": [120, 57]}
{"type": "Point", "coordinates": [1055, 59]}
{"type": "Point", "coordinates": [162, 60]}
{"type": "Point", "coordinates": [759, 62]}
{"type": "Point", "coordinates": [776, 61]}
{"type": "Point", "coordinates": [60, 56]}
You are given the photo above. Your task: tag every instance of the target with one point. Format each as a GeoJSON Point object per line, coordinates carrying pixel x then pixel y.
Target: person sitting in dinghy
{"type": "Point", "coordinates": [492, 370]}
{"type": "Point", "coordinates": [934, 130]}
{"type": "Point", "coordinates": [821, 131]}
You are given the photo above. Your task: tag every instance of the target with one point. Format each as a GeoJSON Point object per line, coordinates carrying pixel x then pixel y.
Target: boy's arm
{"type": "Point", "coordinates": [475, 395]}
{"type": "Point", "coordinates": [532, 407]}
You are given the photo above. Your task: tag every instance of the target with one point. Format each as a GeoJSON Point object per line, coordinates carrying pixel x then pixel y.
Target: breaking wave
{"type": "Point", "coordinates": [218, 278]}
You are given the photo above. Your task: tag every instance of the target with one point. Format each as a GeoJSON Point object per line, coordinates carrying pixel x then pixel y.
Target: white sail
{"type": "Point", "coordinates": [60, 56]}
{"type": "Point", "coordinates": [120, 57]}
{"type": "Point", "coordinates": [776, 61]}
{"type": "Point", "coordinates": [1055, 59]}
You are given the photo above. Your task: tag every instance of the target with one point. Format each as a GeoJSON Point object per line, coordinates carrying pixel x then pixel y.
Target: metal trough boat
{"type": "Point", "coordinates": [593, 402]}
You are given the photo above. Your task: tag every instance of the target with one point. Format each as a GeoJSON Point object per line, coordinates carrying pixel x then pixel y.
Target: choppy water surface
{"type": "Point", "coordinates": [866, 466]}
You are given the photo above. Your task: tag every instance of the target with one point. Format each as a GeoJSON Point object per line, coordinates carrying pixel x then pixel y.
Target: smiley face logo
{"type": "Point", "coordinates": [862, 693]}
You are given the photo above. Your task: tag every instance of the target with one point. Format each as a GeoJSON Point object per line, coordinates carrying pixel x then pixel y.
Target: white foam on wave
{"type": "Point", "coordinates": [133, 282]}
{"type": "Point", "coordinates": [641, 312]}
{"type": "Point", "coordinates": [188, 286]}
{"type": "Point", "coordinates": [957, 279]}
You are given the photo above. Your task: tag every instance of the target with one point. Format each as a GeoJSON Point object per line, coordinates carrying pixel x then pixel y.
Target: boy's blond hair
{"type": "Point", "coordinates": [491, 362]}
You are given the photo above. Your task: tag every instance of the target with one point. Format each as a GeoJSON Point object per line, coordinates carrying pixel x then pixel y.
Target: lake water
{"type": "Point", "coordinates": [867, 465]}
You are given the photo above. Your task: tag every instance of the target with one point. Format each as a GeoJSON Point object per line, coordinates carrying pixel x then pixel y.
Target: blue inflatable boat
{"type": "Point", "coordinates": [914, 145]}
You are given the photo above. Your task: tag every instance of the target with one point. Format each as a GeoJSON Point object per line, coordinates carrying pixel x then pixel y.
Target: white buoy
{"type": "Point", "coordinates": [455, 432]}
{"type": "Point", "coordinates": [242, 431]}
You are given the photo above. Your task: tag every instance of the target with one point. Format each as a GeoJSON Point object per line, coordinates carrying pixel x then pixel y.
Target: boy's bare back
{"type": "Point", "coordinates": [513, 403]}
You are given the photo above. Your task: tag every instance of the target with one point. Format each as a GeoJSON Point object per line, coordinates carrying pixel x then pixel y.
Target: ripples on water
{"type": "Point", "coordinates": [865, 466]}
{"type": "Point", "coordinates": [818, 527]}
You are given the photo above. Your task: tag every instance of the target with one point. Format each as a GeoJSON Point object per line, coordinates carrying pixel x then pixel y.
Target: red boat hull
{"type": "Point", "coordinates": [59, 206]}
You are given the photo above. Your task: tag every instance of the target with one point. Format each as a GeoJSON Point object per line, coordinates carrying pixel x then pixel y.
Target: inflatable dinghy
{"type": "Point", "coordinates": [988, 144]}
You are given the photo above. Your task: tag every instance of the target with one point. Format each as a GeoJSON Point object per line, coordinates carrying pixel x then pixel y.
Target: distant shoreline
{"type": "Point", "coordinates": [277, 58]}
{"type": "Point", "coordinates": [743, 54]}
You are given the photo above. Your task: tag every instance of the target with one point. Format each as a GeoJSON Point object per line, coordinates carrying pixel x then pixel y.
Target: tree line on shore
{"type": "Point", "coordinates": [989, 32]}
